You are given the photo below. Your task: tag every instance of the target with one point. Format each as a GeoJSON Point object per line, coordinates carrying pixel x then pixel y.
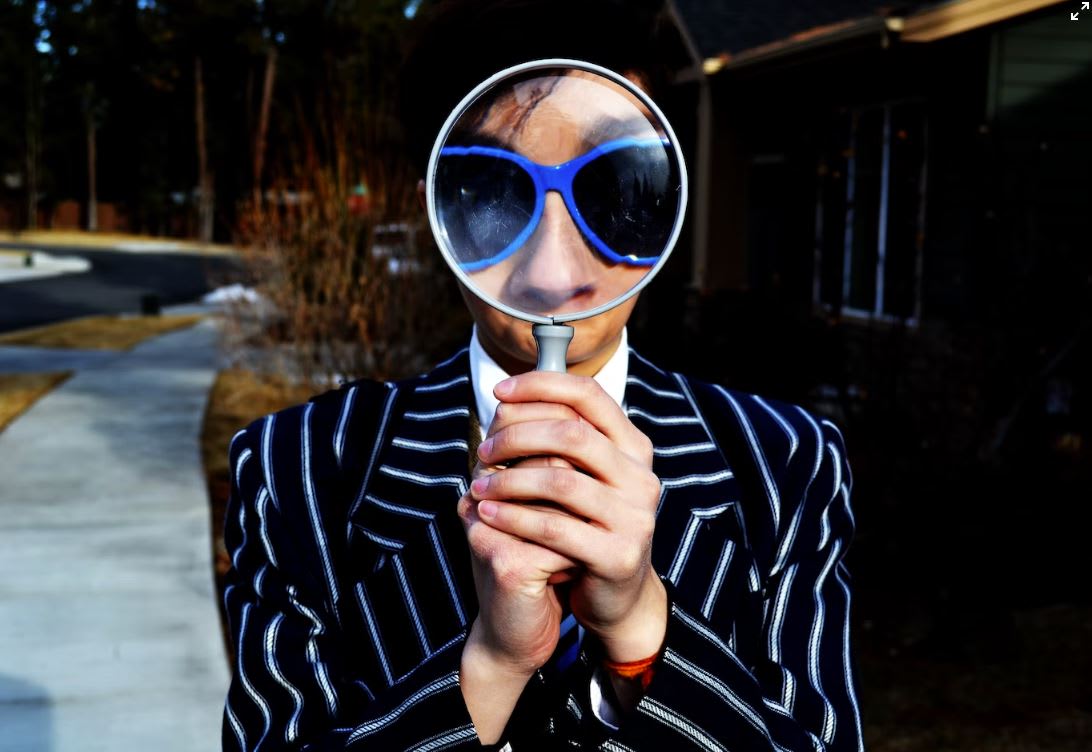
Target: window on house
{"type": "Point", "coordinates": [871, 212]}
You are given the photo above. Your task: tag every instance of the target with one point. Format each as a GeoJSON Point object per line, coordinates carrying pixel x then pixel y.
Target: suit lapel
{"type": "Point", "coordinates": [700, 544]}
{"type": "Point", "coordinates": [408, 552]}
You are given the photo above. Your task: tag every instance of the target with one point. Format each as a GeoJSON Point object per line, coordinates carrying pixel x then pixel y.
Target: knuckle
{"type": "Point", "coordinates": [552, 528]}
{"type": "Point", "coordinates": [628, 561]}
{"type": "Point", "coordinates": [506, 571]}
{"type": "Point", "coordinates": [464, 507]}
{"type": "Point", "coordinates": [650, 485]}
{"type": "Point", "coordinates": [645, 528]}
{"type": "Point", "coordinates": [573, 433]}
{"type": "Point", "coordinates": [502, 441]}
{"type": "Point", "coordinates": [498, 484]}
{"type": "Point", "coordinates": [588, 386]}
{"type": "Point", "coordinates": [563, 483]}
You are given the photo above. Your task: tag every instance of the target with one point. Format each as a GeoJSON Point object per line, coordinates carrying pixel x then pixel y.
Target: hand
{"type": "Point", "coordinates": [609, 495]}
{"type": "Point", "coordinates": [519, 616]}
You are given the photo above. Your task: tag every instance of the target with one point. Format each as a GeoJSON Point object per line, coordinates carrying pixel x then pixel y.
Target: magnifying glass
{"type": "Point", "coordinates": [556, 190]}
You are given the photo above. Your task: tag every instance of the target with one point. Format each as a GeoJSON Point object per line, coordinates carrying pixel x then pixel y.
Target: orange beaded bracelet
{"type": "Point", "coordinates": [640, 671]}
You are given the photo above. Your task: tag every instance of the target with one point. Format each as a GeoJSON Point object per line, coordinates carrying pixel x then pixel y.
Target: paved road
{"type": "Point", "coordinates": [115, 284]}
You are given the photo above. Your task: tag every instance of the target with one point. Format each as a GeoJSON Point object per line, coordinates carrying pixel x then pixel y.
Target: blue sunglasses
{"type": "Point", "coordinates": [623, 196]}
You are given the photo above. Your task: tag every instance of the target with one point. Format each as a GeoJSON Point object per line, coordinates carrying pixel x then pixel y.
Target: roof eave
{"type": "Point", "coordinates": [800, 43]}
{"type": "Point", "coordinates": [960, 16]}
{"type": "Point", "coordinates": [929, 25]}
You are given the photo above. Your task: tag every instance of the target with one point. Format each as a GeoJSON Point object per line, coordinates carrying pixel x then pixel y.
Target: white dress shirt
{"type": "Point", "coordinates": [485, 374]}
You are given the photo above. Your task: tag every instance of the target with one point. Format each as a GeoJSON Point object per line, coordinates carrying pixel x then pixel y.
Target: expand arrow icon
{"type": "Point", "coordinates": [1084, 6]}
{"type": "Point", "coordinates": [1072, 16]}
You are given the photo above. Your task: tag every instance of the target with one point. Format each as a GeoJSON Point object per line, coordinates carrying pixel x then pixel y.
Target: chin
{"type": "Point", "coordinates": [514, 338]}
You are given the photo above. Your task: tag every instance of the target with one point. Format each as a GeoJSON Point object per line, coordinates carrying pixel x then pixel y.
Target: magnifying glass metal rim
{"type": "Point", "coordinates": [441, 139]}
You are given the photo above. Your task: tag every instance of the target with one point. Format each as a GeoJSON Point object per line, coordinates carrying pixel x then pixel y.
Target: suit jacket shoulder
{"type": "Point", "coordinates": [777, 451]}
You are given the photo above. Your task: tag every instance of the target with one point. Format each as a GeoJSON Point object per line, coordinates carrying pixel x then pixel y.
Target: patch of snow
{"type": "Point", "coordinates": [235, 293]}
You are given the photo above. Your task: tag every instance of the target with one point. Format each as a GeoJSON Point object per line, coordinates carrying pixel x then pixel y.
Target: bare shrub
{"type": "Point", "coordinates": [351, 283]}
{"type": "Point", "coordinates": [337, 303]}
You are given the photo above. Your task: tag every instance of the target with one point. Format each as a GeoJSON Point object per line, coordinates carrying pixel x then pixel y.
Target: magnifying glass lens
{"type": "Point", "coordinates": [556, 191]}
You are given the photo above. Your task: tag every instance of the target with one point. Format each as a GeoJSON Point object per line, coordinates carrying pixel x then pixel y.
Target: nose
{"type": "Point", "coordinates": [556, 271]}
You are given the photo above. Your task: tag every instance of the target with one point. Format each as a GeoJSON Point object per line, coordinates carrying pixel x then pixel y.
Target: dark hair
{"type": "Point", "coordinates": [457, 44]}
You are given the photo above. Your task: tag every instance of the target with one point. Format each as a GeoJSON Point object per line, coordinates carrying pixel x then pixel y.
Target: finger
{"type": "Point", "coordinates": [482, 469]}
{"type": "Point", "coordinates": [578, 494]}
{"type": "Point", "coordinates": [561, 533]}
{"type": "Point", "coordinates": [546, 461]}
{"type": "Point", "coordinates": [578, 442]}
{"type": "Point", "coordinates": [584, 395]}
{"type": "Point", "coordinates": [510, 414]}
{"type": "Point", "coordinates": [521, 412]}
{"type": "Point", "coordinates": [487, 542]}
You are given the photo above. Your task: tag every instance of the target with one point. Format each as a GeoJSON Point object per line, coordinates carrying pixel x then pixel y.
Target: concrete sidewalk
{"type": "Point", "coordinates": [109, 637]}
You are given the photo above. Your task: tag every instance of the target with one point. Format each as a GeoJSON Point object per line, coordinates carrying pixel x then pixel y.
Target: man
{"type": "Point", "coordinates": [664, 573]}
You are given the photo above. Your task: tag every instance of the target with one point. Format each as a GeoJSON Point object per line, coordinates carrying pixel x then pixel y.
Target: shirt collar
{"type": "Point", "coordinates": [486, 374]}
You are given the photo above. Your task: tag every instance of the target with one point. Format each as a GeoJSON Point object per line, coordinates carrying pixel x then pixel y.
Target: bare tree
{"type": "Point", "coordinates": [205, 204]}
{"type": "Point", "coordinates": [263, 120]}
{"type": "Point", "coordinates": [92, 159]}
{"type": "Point", "coordinates": [33, 124]}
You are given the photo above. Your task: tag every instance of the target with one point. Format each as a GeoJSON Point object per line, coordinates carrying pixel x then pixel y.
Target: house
{"type": "Point", "coordinates": [868, 155]}
{"type": "Point", "coordinates": [892, 168]}
{"type": "Point", "coordinates": [892, 223]}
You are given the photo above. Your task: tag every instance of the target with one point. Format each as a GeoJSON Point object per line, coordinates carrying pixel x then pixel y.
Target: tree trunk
{"type": "Point", "coordinates": [263, 121]}
{"type": "Point", "coordinates": [204, 176]}
{"type": "Point", "coordinates": [33, 129]}
{"type": "Point", "coordinates": [92, 192]}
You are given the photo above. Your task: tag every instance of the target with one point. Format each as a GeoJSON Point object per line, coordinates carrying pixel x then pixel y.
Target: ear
{"type": "Point", "coordinates": [421, 193]}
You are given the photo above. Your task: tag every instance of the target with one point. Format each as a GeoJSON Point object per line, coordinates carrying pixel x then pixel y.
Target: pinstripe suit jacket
{"type": "Point", "coordinates": [351, 593]}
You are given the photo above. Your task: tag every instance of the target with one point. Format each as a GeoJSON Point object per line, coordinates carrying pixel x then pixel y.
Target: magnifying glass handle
{"type": "Point", "coordinates": [553, 344]}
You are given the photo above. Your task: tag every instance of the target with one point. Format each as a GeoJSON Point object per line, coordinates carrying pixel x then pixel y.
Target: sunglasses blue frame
{"type": "Point", "coordinates": [557, 178]}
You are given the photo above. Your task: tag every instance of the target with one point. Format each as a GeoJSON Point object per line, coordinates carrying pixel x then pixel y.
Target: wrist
{"type": "Point", "coordinates": [482, 659]}
{"type": "Point", "coordinates": [641, 633]}
{"type": "Point", "coordinates": [490, 685]}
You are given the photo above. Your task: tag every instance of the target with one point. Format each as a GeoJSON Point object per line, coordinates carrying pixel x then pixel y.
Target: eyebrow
{"type": "Point", "coordinates": [476, 138]}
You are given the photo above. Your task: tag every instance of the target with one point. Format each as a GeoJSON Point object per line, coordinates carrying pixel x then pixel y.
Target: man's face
{"type": "Point", "coordinates": [554, 120]}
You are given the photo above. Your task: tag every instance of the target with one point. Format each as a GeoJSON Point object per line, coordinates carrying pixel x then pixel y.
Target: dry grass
{"type": "Point", "coordinates": [237, 398]}
{"type": "Point", "coordinates": [106, 240]}
{"type": "Point", "coordinates": [99, 332]}
{"type": "Point", "coordinates": [18, 391]}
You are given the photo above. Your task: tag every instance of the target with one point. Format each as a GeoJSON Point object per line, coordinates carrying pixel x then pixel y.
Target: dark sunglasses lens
{"type": "Point", "coordinates": [629, 198]}
{"type": "Point", "coordinates": [483, 204]}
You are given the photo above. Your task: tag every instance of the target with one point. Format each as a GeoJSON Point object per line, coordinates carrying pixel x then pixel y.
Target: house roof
{"type": "Point", "coordinates": [743, 31]}
{"type": "Point", "coordinates": [718, 27]}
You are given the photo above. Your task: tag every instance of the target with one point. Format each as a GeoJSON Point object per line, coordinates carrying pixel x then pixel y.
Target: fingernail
{"type": "Point", "coordinates": [487, 509]}
{"type": "Point", "coordinates": [505, 387]}
{"type": "Point", "coordinates": [480, 485]}
{"type": "Point", "coordinates": [485, 447]}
